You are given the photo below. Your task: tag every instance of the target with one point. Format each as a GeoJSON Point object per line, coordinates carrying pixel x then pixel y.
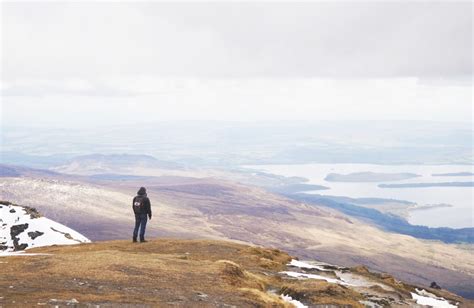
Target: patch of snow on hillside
{"type": "Point", "coordinates": [313, 276]}
{"type": "Point", "coordinates": [306, 265]}
{"type": "Point", "coordinates": [428, 299]}
{"type": "Point", "coordinates": [343, 277]}
{"type": "Point", "coordinates": [20, 230]}
{"type": "Point", "coordinates": [369, 304]}
{"type": "Point", "coordinates": [295, 302]}
{"type": "Point", "coordinates": [360, 281]}
{"type": "Point", "coordinates": [20, 253]}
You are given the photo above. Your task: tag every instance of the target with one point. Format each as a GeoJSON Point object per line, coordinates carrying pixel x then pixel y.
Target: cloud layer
{"type": "Point", "coordinates": [319, 39]}
{"type": "Point", "coordinates": [84, 63]}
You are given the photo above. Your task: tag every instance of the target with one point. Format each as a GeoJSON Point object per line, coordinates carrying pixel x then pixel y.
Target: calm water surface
{"type": "Point", "coordinates": [460, 215]}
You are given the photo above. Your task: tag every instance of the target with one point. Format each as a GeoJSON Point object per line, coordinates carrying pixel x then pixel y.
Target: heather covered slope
{"type": "Point", "coordinates": [218, 209]}
{"type": "Point", "coordinates": [190, 273]}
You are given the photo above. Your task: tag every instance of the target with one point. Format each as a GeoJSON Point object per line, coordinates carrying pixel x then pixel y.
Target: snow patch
{"type": "Point", "coordinates": [369, 304]}
{"type": "Point", "coordinates": [295, 302]}
{"type": "Point", "coordinates": [306, 265]}
{"type": "Point", "coordinates": [313, 276]}
{"type": "Point", "coordinates": [429, 299]}
{"type": "Point", "coordinates": [20, 230]}
{"type": "Point", "coordinates": [343, 277]}
{"type": "Point", "coordinates": [21, 254]}
{"type": "Point", "coordinates": [360, 281]}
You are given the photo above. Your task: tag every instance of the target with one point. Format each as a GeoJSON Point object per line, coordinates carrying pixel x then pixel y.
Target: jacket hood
{"type": "Point", "coordinates": [141, 191]}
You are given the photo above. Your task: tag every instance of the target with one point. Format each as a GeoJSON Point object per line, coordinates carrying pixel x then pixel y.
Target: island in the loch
{"type": "Point", "coordinates": [430, 206]}
{"type": "Point", "coordinates": [454, 174]}
{"type": "Point", "coordinates": [369, 177]}
{"type": "Point", "coordinates": [422, 185]}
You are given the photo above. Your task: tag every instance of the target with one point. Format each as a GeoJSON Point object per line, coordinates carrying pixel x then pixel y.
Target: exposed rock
{"type": "Point", "coordinates": [66, 235]}
{"type": "Point", "coordinates": [17, 219]}
{"type": "Point", "coordinates": [32, 212]}
{"type": "Point", "coordinates": [14, 232]}
{"type": "Point", "coordinates": [17, 229]}
{"type": "Point", "coordinates": [360, 269]}
{"type": "Point", "coordinates": [35, 234]}
{"type": "Point", "coordinates": [19, 246]}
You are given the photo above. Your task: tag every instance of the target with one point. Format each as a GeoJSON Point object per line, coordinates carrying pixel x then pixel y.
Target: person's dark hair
{"type": "Point", "coordinates": [141, 191]}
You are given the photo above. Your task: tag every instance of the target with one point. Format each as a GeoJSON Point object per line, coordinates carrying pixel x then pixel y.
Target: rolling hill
{"type": "Point", "coordinates": [188, 207]}
{"type": "Point", "coordinates": [112, 163]}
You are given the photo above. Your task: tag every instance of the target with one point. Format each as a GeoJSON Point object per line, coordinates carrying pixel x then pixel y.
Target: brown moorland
{"type": "Point", "coordinates": [169, 272]}
{"type": "Point", "coordinates": [224, 210]}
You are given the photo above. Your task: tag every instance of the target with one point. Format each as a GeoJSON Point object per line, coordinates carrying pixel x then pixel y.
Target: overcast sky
{"type": "Point", "coordinates": [81, 63]}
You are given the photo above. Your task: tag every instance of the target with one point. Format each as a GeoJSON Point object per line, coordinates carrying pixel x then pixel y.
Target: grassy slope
{"type": "Point", "coordinates": [167, 272]}
{"type": "Point", "coordinates": [216, 209]}
{"type": "Point", "coordinates": [159, 272]}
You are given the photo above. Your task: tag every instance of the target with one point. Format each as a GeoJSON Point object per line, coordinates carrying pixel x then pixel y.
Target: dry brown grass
{"type": "Point", "coordinates": [321, 293]}
{"type": "Point", "coordinates": [167, 272]}
{"type": "Point", "coordinates": [268, 300]}
{"type": "Point", "coordinates": [160, 272]}
{"type": "Point", "coordinates": [218, 209]}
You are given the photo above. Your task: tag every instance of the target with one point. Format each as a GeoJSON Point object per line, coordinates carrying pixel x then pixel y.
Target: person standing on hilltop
{"type": "Point", "coordinates": [142, 208]}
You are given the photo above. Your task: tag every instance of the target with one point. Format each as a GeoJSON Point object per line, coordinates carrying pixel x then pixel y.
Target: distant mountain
{"type": "Point", "coordinates": [7, 171]}
{"type": "Point", "coordinates": [113, 164]}
{"type": "Point", "coordinates": [23, 228]}
{"type": "Point", "coordinates": [33, 161]}
{"type": "Point", "coordinates": [454, 174]}
{"type": "Point", "coordinates": [221, 143]}
{"type": "Point", "coordinates": [18, 171]}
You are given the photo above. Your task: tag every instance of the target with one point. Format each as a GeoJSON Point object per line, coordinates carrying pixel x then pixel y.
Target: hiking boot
{"type": "Point", "coordinates": [142, 240]}
{"type": "Point", "coordinates": [134, 239]}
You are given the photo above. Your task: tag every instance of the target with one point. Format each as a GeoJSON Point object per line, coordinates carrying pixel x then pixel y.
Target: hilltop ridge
{"type": "Point", "coordinates": [204, 273]}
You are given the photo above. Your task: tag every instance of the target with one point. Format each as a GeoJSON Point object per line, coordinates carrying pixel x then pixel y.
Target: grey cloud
{"type": "Point", "coordinates": [278, 40]}
{"type": "Point", "coordinates": [39, 90]}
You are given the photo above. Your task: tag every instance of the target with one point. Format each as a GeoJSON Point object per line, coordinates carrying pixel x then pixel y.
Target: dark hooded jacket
{"type": "Point", "coordinates": [146, 202]}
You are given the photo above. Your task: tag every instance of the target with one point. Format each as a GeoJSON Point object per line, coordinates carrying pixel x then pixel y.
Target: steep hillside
{"type": "Point", "coordinates": [24, 228]}
{"type": "Point", "coordinates": [197, 273]}
{"type": "Point", "coordinates": [218, 209]}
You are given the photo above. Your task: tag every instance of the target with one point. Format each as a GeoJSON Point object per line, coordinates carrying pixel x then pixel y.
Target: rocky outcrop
{"type": "Point", "coordinates": [23, 227]}
{"type": "Point", "coordinates": [14, 232]}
